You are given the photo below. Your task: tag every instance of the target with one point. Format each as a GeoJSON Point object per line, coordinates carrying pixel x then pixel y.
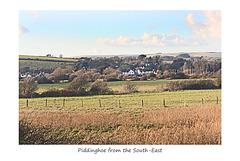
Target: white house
{"type": "Point", "coordinates": [25, 75]}
{"type": "Point", "coordinates": [130, 72]}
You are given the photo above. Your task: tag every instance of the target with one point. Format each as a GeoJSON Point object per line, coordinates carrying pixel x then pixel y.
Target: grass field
{"type": "Point", "coordinates": [39, 65]}
{"type": "Point", "coordinates": [198, 125]}
{"type": "Point", "coordinates": [149, 85]}
{"type": "Point", "coordinates": [46, 58]}
{"type": "Point", "coordinates": [128, 102]}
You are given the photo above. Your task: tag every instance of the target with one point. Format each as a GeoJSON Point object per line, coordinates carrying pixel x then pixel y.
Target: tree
{"type": "Point", "coordinates": [99, 87]}
{"type": "Point", "coordinates": [77, 84]}
{"type": "Point", "coordinates": [28, 87]}
{"type": "Point", "coordinates": [218, 80]}
{"type": "Point", "coordinates": [141, 57]}
{"type": "Point", "coordinates": [130, 87]}
{"type": "Point", "coordinates": [43, 80]}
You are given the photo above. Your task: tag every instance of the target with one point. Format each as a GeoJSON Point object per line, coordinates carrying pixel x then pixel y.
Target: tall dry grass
{"type": "Point", "coordinates": [196, 125]}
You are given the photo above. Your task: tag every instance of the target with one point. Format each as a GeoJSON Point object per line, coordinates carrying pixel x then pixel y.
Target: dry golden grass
{"type": "Point", "coordinates": [196, 125]}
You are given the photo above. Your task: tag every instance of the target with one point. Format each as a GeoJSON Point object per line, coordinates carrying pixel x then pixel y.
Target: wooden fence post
{"type": "Point", "coordinates": [119, 103]}
{"type": "Point", "coordinates": [46, 102]}
{"type": "Point", "coordinates": [63, 102]}
{"type": "Point", "coordinates": [27, 103]}
{"type": "Point", "coordinates": [115, 103]}
{"type": "Point", "coordinates": [99, 102]}
{"type": "Point", "coordinates": [185, 103]}
{"type": "Point", "coordinates": [217, 100]}
{"type": "Point", "coordinates": [54, 103]}
{"type": "Point", "coordinates": [142, 103]}
{"type": "Point", "coordinates": [164, 105]}
{"type": "Point", "coordinates": [202, 101]}
{"type": "Point", "coordinates": [82, 103]}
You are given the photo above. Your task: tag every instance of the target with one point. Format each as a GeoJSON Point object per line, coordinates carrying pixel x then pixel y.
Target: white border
{"type": "Point", "coordinates": [9, 83]}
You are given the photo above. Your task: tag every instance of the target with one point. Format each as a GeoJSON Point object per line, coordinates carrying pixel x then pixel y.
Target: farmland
{"type": "Point", "coordinates": [149, 85]}
{"type": "Point", "coordinates": [129, 102]}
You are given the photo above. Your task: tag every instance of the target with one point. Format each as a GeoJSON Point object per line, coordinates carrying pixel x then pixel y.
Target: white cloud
{"type": "Point", "coordinates": [23, 29]}
{"type": "Point", "coordinates": [34, 13]}
{"type": "Point", "coordinates": [146, 40]}
{"type": "Point", "coordinates": [209, 27]}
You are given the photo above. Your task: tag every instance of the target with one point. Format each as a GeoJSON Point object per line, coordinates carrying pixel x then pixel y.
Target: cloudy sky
{"type": "Point", "coordinates": [76, 33]}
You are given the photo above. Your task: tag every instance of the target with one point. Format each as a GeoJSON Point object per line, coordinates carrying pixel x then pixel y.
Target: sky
{"type": "Point", "coordinates": [118, 32]}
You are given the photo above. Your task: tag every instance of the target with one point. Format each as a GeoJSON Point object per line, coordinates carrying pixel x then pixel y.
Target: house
{"type": "Point", "coordinates": [25, 75]}
{"type": "Point", "coordinates": [141, 71]}
{"type": "Point", "coordinates": [130, 72]}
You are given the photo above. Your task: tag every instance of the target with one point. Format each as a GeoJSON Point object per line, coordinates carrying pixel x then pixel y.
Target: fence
{"type": "Point", "coordinates": [114, 103]}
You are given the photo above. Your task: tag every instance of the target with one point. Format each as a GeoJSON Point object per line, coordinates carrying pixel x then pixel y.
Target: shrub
{"type": "Point", "coordinates": [27, 88]}
{"type": "Point", "coordinates": [144, 77]}
{"type": "Point", "coordinates": [218, 80]}
{"type": "Point", "coordinates": [130, 87]}
{"type": "Point", "coordinates": [71, 77]}
{"type": "Point", "coordinates": [151, 75]}
{"type": "Point", "coordinates": [63, 93]}
{"type": "Point", "coordinates": [135, 78]}
{"type": "Point", "coordinates": [179, 76]}
{"type": "Point", "coordinates": [43, 80]}
{"type": "Point", "coordinates": [191, 84]}
{"type": "Point", "coordinates": [78, 84]}
{"type": "Point", "coordinates": [99, 87]}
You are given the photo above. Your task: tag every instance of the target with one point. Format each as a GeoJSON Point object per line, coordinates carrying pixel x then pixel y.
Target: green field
{"type": "Point", "coordinates": [128, 102]}
{"type": "Point", "coordinates": [46, 58]}
{"type": "Point", "coordinates": [42, 65]}
{"type": "Point", "coordinates": [149, 85]}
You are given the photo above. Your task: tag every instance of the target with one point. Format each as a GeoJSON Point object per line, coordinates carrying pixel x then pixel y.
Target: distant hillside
{"type": "Point", "coordinates": [216, 55]}
{"type": "Point", "coordinates": [44, 58]}
{"type": "Point", "coordinates": [192, 54]}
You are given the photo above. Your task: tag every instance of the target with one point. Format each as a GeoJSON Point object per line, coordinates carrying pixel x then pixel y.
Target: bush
{"type": "Point", "coordinates": [179, 76]}
{"type": "Point", "coordinates": [129, 87]}
{"type": "Point", "coordinates": [191, 84]}
{"type": "Point", "coordinates": [151, 75]}
{"type": "Point", "coordinates": [63, 93]}
{"type": "Point", "coordinates": [218, 80]}
{"type": "Point", "coordinates": [99, 87]}
{"type": "Point", "coordinates": [71, 77]}
{"type": "Point", "coordinates": [27, 88]}
{"type": "Point", "coordinates": [144, 77]}
{"type": "Point", "coordinates": [43, 80]}
{"type": "Point", "coordinates": [78, 84]}
{"type": "Point", "coordinates": [135, 78]}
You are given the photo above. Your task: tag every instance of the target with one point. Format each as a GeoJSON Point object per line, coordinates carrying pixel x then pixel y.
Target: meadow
{"type": "Point", "coordinates": [142, 86]}
{"type": "Point", "coordinates": [198, 125]}
{"type": "Point", "coordinates": [46, 58]}
{"type": "Point", "coordinates": [131, 102]}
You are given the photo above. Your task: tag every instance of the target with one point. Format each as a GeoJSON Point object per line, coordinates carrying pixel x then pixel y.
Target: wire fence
{"type": "Point", "coordinates": [115, 103]}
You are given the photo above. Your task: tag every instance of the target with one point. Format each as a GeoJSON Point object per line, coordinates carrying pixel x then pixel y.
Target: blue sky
{"type": "Point", "coordinates": [76, 33]}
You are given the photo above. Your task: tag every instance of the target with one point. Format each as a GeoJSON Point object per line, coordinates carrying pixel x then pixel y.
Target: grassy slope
{"type": "Point", "coordinates": [45, 58]}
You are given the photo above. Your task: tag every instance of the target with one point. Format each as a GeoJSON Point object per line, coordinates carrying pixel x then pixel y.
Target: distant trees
{"type": "Point", "coordinates": [61, 74]}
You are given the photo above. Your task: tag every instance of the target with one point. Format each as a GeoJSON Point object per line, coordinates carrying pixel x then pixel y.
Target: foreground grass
{"type": "Point", "coordinates": [193, 125]}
